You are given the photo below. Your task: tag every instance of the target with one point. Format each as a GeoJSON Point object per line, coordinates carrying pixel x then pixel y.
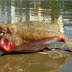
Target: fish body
{"type": "Point", "coordinates": [30, 36]}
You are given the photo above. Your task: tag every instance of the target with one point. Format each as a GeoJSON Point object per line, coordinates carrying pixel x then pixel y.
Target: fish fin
{"type": "Point", "coordinates": [68, 42]}
{"type": "Point", "coordinates": [61, 24]}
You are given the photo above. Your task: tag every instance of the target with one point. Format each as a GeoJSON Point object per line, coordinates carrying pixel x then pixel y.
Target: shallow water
{"type": "Point", "coordinates": [33, 62]}
{"type": "Point", "coordinates": [15, 11]}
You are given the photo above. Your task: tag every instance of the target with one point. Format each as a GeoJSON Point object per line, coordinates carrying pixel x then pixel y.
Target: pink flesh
{"type": "Point", "coordinates": [35, 46]}
{"type": "Point", "coordinates": [39, 45]}
{"type": "Point", "coordinates": [5, 45]}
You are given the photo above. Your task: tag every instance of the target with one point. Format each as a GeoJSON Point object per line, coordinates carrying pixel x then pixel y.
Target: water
{"type": "Point", "coordinates": [15, 11]}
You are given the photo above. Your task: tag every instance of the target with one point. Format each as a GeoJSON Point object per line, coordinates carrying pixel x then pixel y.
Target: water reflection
{"type": "Point", "coordinates": [14, 11]}
{"type": "Point", "coordinates": [32, 62]}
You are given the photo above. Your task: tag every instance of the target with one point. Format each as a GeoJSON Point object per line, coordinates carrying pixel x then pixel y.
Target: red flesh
{"type": "Point", "coordinates": [5, 45]}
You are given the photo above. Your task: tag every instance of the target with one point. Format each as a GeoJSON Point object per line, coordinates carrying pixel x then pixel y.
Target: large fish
{"type": "Point", "coordinates": [31, 36]}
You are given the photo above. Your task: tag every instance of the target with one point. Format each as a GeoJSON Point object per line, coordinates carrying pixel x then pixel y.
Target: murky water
{"type": "Point", "coordinates": [15, 11]}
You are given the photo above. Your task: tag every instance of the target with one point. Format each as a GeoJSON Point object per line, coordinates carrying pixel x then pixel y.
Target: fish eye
{"type": "Point", "coordinates": [12, 29]}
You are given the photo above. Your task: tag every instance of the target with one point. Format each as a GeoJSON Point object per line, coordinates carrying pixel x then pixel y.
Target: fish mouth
{"type": "Point", "coordinates": [5, 44]}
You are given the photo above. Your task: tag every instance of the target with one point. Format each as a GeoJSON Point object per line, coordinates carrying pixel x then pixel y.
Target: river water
{"type": "Point", "coordinates": [15, 11]}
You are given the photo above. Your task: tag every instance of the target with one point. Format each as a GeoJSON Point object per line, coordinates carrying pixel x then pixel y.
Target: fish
{"type": "Point", "coordinates": [31, 36]}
